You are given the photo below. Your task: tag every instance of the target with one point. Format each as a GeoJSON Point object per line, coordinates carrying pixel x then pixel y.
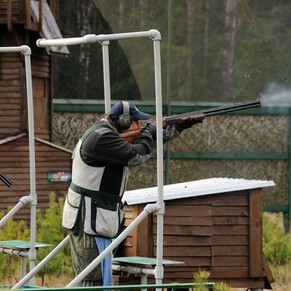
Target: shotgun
{"type": "Point", "coordinates": [134, 131]}
{"type": "Point", "coordinates": [200, 115]}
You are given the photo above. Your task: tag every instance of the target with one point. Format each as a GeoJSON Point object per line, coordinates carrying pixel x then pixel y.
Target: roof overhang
{"type": "Point", "coordinates": [193, 189]}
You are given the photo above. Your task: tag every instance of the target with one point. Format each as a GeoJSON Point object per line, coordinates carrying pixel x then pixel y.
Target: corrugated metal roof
{"type": "Point", "coordinates": [193, 189]}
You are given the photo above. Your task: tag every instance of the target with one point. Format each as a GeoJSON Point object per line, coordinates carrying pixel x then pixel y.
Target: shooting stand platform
{"type": "Point", "coordinates": [141, 266]}
{"type": "Point", "coordinates": [20, 248]}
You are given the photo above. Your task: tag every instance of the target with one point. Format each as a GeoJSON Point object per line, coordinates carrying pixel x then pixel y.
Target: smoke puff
{"type": "Point", "coordinates": [276, 95]}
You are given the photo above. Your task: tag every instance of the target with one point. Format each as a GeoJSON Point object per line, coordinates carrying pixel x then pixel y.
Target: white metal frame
{"type": "Point", "coordinates": [159, 206]}
{"type": "Point", "coordinates": [32, 198]}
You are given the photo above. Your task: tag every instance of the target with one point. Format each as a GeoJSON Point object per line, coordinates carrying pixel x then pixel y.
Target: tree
{"type": "Point", "coordinates": [81, 74]}
{"type": "Point", "coordinates": [220, 50]}
{"type": "Point", "coordinates": [228, 54]}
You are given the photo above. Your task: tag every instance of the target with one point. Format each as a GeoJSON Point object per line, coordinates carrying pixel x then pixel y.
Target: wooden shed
{"type": "Point", "coordinates": [22, 23]}
{"type": "Point", "coordinates": [212, 224]}
{"type": "Point", "coordinates": [51, 161]}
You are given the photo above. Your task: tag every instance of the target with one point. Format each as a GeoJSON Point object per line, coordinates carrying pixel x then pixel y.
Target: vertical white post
{"type": "Point", "coordinates": [27, 52]}
{"type": "Point", "coordinates": [106, 75]}
{"type": "Point", "coordinates": [23, 267]}
{"type": "Point", "coordinates": [159, 274]}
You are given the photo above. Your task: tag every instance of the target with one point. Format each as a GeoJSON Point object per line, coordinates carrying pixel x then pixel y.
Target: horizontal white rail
{"type": "Point", "coordinates": [93, 38]}
{"type": "Point", "coordinates": [23, 201]}
{"type": "Point", "coordinates": [17, 49]}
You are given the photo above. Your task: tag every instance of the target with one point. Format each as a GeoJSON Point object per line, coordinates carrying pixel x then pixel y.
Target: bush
{"type": "Point", "coordinates": [202, 277]}
{"type": "Point", "coordinates": [276, 242]}
{"type": "Point", "coordinates": [12, 231]}
{"type": "Point", "coordinates": [49, 231]}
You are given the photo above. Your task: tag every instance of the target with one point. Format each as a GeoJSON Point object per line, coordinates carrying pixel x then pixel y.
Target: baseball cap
{"type": "Point", "coordinates": [118, 109]}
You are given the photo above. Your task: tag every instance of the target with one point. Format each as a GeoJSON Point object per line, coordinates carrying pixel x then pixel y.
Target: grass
{"type": "Point", "coordinates": [282, 275]}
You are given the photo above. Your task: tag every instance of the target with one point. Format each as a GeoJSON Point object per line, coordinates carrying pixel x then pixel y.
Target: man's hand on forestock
{"type": "Point", "coordinates": [187, 123]}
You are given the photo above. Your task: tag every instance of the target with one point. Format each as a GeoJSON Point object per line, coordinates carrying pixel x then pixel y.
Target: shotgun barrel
{"type": "Point", "coordinates": [201, 114]}
{"type": "Point", "coordinates": [135, 130]}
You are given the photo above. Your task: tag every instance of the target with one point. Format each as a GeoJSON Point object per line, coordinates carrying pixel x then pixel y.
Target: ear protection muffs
{"type": "Point", "coordinates": [124, 120]}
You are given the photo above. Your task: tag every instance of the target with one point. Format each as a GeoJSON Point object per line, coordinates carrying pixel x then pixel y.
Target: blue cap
{"type": "Point", "coordinates": [119, 109]}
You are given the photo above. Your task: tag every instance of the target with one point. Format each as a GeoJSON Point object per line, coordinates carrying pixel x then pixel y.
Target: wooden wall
{"type": "Point", "coordinates": [13, 97]}
{"type": "Point", "coordinates": [219, 233]}
{"type": "Point", "coordinates": [41, 82]}
{"type": "Point", "coordinates": [11, 92]}
{"type": "Point", "coordinates": [14, 163]}
{"type": "Point", "coordinates": [13, 13]}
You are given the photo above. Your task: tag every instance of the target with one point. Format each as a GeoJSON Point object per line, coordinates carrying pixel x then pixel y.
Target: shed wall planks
{"type": "Point", "coordinates": [220, 233]}
{"type": "Point", "coordinates": [14, 158]}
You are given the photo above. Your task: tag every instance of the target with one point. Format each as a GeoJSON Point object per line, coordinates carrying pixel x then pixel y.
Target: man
{"type": "Point", "coordinates": [101, 158]}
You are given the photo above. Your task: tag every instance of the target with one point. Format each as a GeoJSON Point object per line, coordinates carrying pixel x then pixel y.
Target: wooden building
{"type": "Point", "coordinates": [212, 224]}
{"type": "Point", "coordinates": [53, 166]}
{"type": "Point", "coordinates": [22, 23]}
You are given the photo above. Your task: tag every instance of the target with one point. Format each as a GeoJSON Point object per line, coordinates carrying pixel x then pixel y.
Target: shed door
{"type": "Point", "coordinates": [41, 107]}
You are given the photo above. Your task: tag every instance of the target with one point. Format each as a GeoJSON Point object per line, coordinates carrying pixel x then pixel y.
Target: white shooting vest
{"type": "Point", "coordinates": [103, 214]}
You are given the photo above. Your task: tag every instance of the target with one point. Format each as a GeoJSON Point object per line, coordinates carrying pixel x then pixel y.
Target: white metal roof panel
{"type": "Point", "coordinates": [50, 29]}
{"type": "Point", "coordinates": [193, 189]}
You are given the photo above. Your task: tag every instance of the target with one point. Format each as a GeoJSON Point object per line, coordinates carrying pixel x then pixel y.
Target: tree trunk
{"type": "Point", "coordinates": [228, 54]}
{"type": "Point", "coordinates": [84, 27]}
{"type": "Point", "coordinates": [190, 41]}
{"type": "Point", "coordinates": [121, 15]}
{"type": "Point", "coordinates": [206, 40]}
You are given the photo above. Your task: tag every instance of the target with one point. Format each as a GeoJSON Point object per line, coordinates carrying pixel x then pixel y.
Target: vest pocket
{"type": "Point", "coordinates": [102, 218]}
{"type": "Point", "coordinates": [71, 209]}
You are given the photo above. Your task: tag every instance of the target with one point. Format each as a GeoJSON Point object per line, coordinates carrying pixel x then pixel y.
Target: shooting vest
{"type": "Point", "coordinates": [103, 214]}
